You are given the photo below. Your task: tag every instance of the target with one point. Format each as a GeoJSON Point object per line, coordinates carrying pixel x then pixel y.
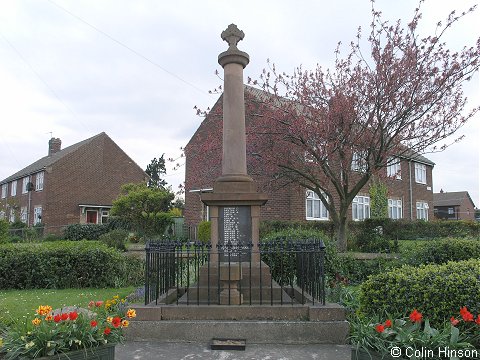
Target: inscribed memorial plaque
{"type": "Point", "coordinates": [235, 232]}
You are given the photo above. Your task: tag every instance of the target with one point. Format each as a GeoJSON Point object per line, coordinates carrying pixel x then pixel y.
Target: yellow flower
{"type": "Point", "coordinates": [125, 323]}
{"type": "Point", "coordinates": [123, 301]}
{"type": "Point", "coordinates": [1, 342]}
{"type": "Point", "coordinates": [116, 297]}
{"type": "Point", "coordinates": [44, 310]}
{"type": "Point", "coordinates": [131, 313]}
{"type": "Point", "coordinates": [109, 319]}
{"type": "Point", "coordinates": [36, 321]}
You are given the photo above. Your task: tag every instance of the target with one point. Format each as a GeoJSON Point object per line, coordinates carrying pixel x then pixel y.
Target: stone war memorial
{"type": "Point", "coordinates": [236, 287]}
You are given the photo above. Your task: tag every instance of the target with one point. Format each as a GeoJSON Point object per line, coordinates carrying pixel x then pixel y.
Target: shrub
{"type": "Point", "coordinates": [204, 229]}
{"type": "Point", "coordinates": [64, 264]}
{"type": "Point", "coordinates": [372, 236]}
{"type": "Point", "coordinates": [4, 233]}
{"type": "Point", "coordinates": [443, 251]}
{"type": "Point", "coordinates": [275, 260]}
{"type": "Point", "coordinates": [16, 228]}
{"type": "Point", "coordinates": [85, 231]}
{"type": "Point", "coordinates": [116, 239]}
{"type": "Point", "coordinates": [438, 290]}
{"type": "Point", "coordinates": [356, 271]}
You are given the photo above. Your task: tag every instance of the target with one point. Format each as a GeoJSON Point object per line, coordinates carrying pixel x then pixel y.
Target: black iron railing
{"type": "Point", "coordinates": [278, 272]}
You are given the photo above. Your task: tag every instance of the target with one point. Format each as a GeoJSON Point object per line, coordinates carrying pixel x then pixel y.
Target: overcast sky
{"type": "Point", "coordinates": [136, 69]}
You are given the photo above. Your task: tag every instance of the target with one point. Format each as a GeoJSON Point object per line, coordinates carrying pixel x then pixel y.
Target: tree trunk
{"type": "Point", "coordinates": [342, 234]}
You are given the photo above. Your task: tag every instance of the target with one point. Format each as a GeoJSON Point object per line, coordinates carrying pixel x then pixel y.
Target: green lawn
{"type": "Point", "coordinates": [20, 304]}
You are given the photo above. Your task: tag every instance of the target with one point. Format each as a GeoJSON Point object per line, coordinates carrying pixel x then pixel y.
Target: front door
{"type": "Point", "coordinates": [92, 216]}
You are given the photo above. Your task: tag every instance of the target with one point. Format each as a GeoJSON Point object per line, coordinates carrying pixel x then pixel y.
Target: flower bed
{"type": "Point", "coordinates": [52, 332]}
{"type": "Point", "coordinates": [414, 338]}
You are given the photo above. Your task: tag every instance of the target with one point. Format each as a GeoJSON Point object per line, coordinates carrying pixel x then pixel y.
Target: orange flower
{"type": "Point", "coordinates": [131, 313]}
{"type": "Point", "coordinates": [44, 310]}
{"type": "Point", "coordinates": [125, 323]}
{"type": "Point", "coordinates": [477, 320]}
{"type": "Point", "coordinates": [93, 323]}
{"type": "Point", "coordinates": [454, 321]}
{"type": "Point", "coordinates": [36, 321]}
{"type": "Point", "coordinates": [388, 323]}
{"type": "Point", "coordinates": [49, 317]}
{"type": "Point", "coordinates": [107, 330]}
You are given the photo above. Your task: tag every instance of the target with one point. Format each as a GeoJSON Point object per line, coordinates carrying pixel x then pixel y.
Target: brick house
{"type": "Point", "coordinates": [409, 181]}
{"type": "Point", "coordinates": [456, 205]}
{"type": "Point", "coordinates": [72, 185]}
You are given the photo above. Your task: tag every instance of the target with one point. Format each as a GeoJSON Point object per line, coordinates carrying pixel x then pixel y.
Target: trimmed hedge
{"type": "Point", "coordinates": [85, 231]}
{"type": "Point", "coordinates": [443, 251]}
{"type": "Point", "coordinates": [64, 264]}
{"type": "Point", "coordinates": [356, 271]}
{"type": "Point", "coordinates": [437, 290]}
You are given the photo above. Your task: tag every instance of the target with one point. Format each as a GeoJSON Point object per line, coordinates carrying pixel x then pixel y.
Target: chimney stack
{"type": "Point", "coordinates": [54, 146]}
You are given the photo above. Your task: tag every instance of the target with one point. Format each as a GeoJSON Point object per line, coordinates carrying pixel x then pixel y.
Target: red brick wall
{"type": "Point", "coordinates": [285, 203]}
{"type": "Point", "coordinates": [93, 174]}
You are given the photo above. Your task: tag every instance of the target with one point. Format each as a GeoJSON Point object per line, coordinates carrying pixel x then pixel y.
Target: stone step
{"type": "Point", "coordinates": [254, 332]}
{"type": "Point", "coordinates": [327, 312]}
{"type": "Point", "coordinates": [266, 295]}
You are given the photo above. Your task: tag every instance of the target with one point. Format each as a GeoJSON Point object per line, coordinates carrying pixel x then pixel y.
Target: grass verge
{"type": "Point", "coordinates": [17, 305]}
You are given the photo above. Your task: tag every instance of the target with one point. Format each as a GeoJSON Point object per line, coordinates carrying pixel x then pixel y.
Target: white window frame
{"type": "Point", "coordinates": [394, 168]}
{"type": "Point", "coordinates": [13, 188]}
{"type": "Point", "coordinates": [422, 210]}
{"type": "Point", "coordinates": [420, 173]}
{"type": "Point", "coordinates": [104, 214]}
{"type": "Point", "coordinates": [23, 214]}
{"type": "Point", "coordinates": [37, 215]}
{"type": "Point", "coordinates": [4, 190]}
{"type": "Point", "coordinates": [25, 182]}
{"type": "Point", "coordinates": [316, 207]}
{"type": "Point", "coordinates": [358, 161]}
{"type": "Point", "coordinates": [2, 214]}
{"type": "Point", "coordinates": [395, 210]}
{"type": "Point", "coordinates": [360, 208]}
{"type": "Point", "coordinates": [39, 181]}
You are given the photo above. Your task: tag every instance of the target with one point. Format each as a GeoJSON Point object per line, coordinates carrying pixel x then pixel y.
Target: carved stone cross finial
{"type": "Point", "coordinates": [232, 35]}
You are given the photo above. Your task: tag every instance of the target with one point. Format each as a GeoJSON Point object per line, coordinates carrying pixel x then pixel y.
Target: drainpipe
{"type": "Point", "coordinates": [410, 190]}
{"type": "Point", "coordinates": [29, 200]}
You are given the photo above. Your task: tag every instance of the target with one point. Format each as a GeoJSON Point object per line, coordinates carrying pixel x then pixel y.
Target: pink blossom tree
{"type": "Point", "coordinates": [331, 130]}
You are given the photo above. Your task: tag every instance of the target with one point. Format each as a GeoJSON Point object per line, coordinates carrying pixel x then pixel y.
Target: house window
{"type": "Point", "coordinates": [394, 168]}
{"type": "Point", "coordinates": [104, 217]}
{"type": "Point", "coordinates": [4, 191]}
{"type": "Point", "coordinates": [361, 208]}
{"type": "Point", "coordinates": [316, 209]}
{"type": "Point", "coordinates": [422, 210]}
{"type": "Point", "coordinates": [39, 181]}
{"type": "Point", "coordinates": [37, 215]}
{"type": "Point", "coordinates": [394, 209]}
{"type": "Point", "coordinates": [25, 185]}
{"type": "Point", "coordinates": [450, 211]}
{"type": "Point", "coordinates": [358, 162]}
{"type": "Point", "coordinates": [12, 215]}
{"type": "Point", "coordinates": [13, 190]}
{"type": "Point", "coordinates": [23, 214]}
{"type": "Point", "coordinates": [420, 173]}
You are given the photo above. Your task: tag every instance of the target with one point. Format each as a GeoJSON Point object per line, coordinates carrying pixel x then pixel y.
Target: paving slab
{"type": "Point", "coordinates": [142, 350]}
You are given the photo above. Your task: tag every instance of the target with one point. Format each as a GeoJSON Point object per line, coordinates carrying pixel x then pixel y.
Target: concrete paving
{"type": "Point", "coordinates": [140, 350]}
